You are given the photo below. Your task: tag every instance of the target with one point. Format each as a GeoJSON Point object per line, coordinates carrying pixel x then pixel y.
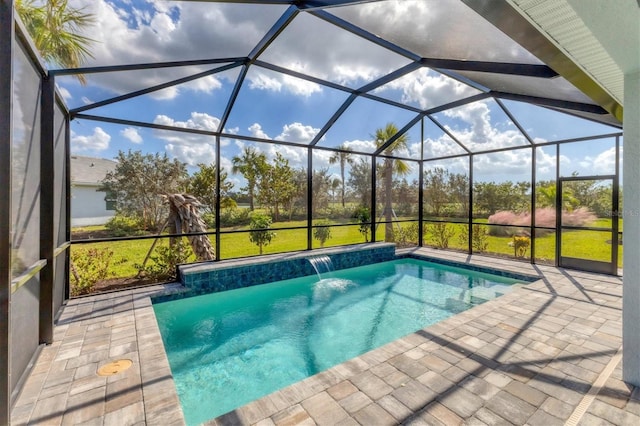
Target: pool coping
{"type": "Point", "coordinates": [92, 331]}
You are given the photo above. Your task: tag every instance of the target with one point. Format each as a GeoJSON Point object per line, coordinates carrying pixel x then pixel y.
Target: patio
{"type": "Point", "coordinates": [470, 95]}
{"type": "Point", "coordinates": [547, 353]}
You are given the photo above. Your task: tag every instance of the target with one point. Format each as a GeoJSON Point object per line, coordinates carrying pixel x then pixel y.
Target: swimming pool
{"type": "Point", "coordinates": [229, 348]}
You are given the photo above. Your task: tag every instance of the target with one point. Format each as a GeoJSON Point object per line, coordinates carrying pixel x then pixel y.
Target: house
{"type": "Point", "coordinates": [89, 205]}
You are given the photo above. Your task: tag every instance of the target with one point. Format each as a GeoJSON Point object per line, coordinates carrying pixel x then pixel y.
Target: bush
{"type": "Point", "coordinates": [521, 244]}
{"type": "Point", "coordinates": [163, 264]}
{"type": "Point", "coordinates": [88, 267]}
{"type": "Point", "coordinates": [338, 212]}
{"type": "Point", "coordinates": [545, 217]}
{"type": "Point", "coordinates": [235, 217]}
{"type": "Point", "coordinates": [124, 226]}
{"type": "Point", "coordinates": [322, 231]}
{"type": "Point", "coordinates": [209, 220]}
{"type": "Point", "coordinates": [479, 240]}
{"type": "Point", "coordinates": [260, 234]}
{"type": "Point", "coordinates": [440, 233]}
{"type": "Point", "coordinates": [363, 214]}
{"type": "Point", "coordinates": [407, 236]}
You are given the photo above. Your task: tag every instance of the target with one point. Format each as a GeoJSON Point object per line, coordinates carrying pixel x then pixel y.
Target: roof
{"type": "Point", "coordinates": [90, 170]}
{"type": "Point", "coordinates": [436, 39]}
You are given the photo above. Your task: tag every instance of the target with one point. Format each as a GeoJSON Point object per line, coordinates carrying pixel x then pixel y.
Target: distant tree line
{"type": "Point", "coordinates": [280, 190]}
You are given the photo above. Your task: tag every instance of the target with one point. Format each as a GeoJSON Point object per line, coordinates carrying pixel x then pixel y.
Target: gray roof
{"type": "Point", "coordinates": [90, 170]}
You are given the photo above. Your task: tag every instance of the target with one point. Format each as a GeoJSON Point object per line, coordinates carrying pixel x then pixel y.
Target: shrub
{"type": "Point", "coordinates": [521, 244]}
{"type": "Point", "coordinates": [209, 219]}
{"type": "Point", "coordinates": [363, 214]}
{"type": "Point", "coordinates": [88, 267]}
{"type": "Point", "coordinates": [578, 217]}
{"type": "Point", "coordinates": [479, 240]}
{"type": "Point", "coordinates": [260, 234]}
{"type": "Point", "coordinates": [545, 217]}
{"type": "Point", "coordinates": [322, 231]}
{"type": "Point", "coordinates": [441, 233]}
{"type": "Point", "coordinates": [124, 226]}
{"type": "Point", "coordinates": [408, 235]}
{"type": "Point", "coordinates": [338, 212]}
{"type": "Point", "coordinates": [235, 217]}
{"type": "Point", "coordinates": [163, 263]}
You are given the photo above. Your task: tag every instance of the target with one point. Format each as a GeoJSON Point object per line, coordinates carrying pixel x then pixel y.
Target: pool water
{"type": "Point", "coordinates": [227, 349]}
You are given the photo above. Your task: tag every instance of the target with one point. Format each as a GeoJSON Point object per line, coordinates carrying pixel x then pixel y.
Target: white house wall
{"type": "Point", "coordinates": [88, 206]}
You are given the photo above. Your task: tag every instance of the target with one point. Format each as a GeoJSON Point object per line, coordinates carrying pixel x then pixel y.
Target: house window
{"type": "Point", "coordinates": [110, 200]}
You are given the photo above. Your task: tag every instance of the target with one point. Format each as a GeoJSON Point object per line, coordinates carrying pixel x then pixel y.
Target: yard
{"type": "Point", "coordinates": [123, 259]}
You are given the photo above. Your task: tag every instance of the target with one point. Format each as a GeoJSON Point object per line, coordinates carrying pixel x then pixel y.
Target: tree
{"type": "Point", "coordinates": [299, 196]}
{"type": "Point", "coordinates": [343, 157]}
{"type": "Point", "coordinates": [260, 233]}
{"type": "Point", "coordinates": [406, 196]}
{"type": "Point", "coordinates": [322, 231]}
{"type": "Point", "coordinates": [202, 185]}
{"type": "Point", "coordinates": [360, 181]}
{"type": "Point", "coordinates": [55, 28]}
{"type": "Point", "coordinates": [363, 215]}
{"type": "Point", "coordinates": [490, 197]}
{"type": "Point", "coordinates": [390, 167]}
{"type": "Point", "coordinates": [436, 189]}
{"type": "Point", "coordinates": [320, 185]}
{"type": "Point", "coordinates": [333, 187]}
{"type": "Point", "coordinates": [443, 188]}
{"type": "Point", "coordinates": [138, 183]}
{"type": "Point", "coordinates": [251, 164]}
{"type": "Point", "coordinates": [277, 185]}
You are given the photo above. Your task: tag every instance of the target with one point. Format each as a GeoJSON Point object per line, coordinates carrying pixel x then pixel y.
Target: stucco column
{"type": "Point", "coordinates": [631, 215]}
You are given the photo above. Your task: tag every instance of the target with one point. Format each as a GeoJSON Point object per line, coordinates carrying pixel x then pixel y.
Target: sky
{"type": "Point", "coordinates": [280, 107]}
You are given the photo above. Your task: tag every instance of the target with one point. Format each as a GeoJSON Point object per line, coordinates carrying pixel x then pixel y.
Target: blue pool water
{"type": "Point", "coordinates": [227, 349]}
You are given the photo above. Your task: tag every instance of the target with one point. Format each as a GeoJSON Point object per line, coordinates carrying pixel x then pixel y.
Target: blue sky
{"type": "Point", "coordinates": [280, 107]}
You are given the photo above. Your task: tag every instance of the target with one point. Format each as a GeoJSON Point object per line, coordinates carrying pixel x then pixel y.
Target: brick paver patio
{"type": "Point", "coordinates": [547, 353]}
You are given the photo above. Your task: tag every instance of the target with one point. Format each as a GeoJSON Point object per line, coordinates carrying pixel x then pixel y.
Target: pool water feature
{"type": "Point", "coordinates": [321, 264]}
{"type": "Point", "coordinates": [229, 348]}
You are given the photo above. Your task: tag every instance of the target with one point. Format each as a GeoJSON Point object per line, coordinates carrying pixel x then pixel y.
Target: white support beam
{"type": "Point", "coordinates": [631, 215]}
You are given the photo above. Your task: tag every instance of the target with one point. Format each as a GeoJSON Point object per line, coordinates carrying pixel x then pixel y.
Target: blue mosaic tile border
{"type": "Point", "coordinates": [221, 277]}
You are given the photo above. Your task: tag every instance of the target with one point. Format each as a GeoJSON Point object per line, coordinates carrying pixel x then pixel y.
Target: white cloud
{"type": "Point", "coordinates": [192, 154]}
{"type": "Point", "coordinates": [131, 134]}
{"type": "Point", "coordinates": [360, 145]}
{"type": "Point", "coordinates": [428, 89]}
{"type": "Point", "coordinates": [190, 148]}
{"type": "Point", "coordinates": [602, 164]}
{"type": "Point", "coordinates": [297, 156]}
{"type": "Point", "coordinates": [98, 141]}
{"type": "Point", "coordinates": [297, 132]}
{"type": "Point", "coordinates": [198, 120]}
{"type": "Point", "coordinates": [476, 131]}
{"type": "Point", "coordinates": [257, 132]}
{"type": "Point", "coordinates": [441, 147]}
{"type": "Point", "coordinates": [514, 165]}
{"type": "Point", "coordinates": [170, 31]}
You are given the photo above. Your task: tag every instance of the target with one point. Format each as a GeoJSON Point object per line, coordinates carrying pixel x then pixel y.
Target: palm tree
{"type": "Point", "coordinates": [251, 165]}
{"type": "Point", "coordinates": [344, 157]}
{"type": "Point", "coordinates": [389, 167]}
{"type": "Point", "coordinates": [334, 185]}
{"type": "Point", "coordinates": [54, 28]}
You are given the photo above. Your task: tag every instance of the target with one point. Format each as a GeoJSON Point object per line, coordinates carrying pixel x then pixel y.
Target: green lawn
{"type": "Point", "coordinates": [126, 254]}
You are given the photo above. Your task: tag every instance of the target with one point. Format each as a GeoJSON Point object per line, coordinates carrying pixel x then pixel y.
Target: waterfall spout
{"type": "Point", "coordinates": [321, 264]}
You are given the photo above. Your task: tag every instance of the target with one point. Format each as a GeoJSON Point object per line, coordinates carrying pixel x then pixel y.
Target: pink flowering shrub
{"type": "Point", "coordinates": [545, 217]}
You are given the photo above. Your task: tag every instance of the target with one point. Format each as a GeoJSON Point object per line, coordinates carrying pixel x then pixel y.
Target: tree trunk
{"type": "Point", "coordinates": [388, 209]}
{"type": "Point", "coordinates": [342, 177]}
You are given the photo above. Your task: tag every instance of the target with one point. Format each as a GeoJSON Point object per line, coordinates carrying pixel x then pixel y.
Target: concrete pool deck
{"type": "Point", "coordinates": [547, 353]}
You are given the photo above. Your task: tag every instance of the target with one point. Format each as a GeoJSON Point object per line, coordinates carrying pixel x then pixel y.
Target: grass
{"type": "Point", "coordinates": [584, 244]}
